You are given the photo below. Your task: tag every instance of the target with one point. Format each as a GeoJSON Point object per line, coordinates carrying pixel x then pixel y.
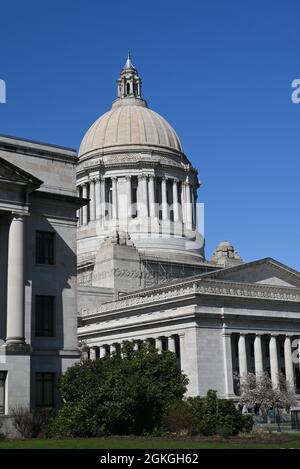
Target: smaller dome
{"type": "Point", "coordinates": [226, 254]}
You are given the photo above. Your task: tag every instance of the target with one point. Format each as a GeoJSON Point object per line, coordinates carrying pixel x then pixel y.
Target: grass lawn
{"type": "Point", "coordinates": [271, 441]}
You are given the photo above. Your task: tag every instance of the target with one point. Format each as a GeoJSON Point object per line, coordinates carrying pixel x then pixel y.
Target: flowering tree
{"type": "Point", "coordinates": [259, 392]}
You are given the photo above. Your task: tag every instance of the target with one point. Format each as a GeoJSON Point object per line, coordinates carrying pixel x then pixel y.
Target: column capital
{"type": "Point", "coordinates": [18, 216]}
{"type": "Point", "coordinates": [114, 178]}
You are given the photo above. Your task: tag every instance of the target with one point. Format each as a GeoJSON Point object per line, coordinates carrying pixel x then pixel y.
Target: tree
{"type": "Point", "coordinates": [117, 395]}
{"type": "Point", "coordinates": [214, 415]}
{"type": "Point", "coordinates": [258, 392]}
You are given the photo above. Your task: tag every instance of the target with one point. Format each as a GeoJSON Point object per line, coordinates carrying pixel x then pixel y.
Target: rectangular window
{"type": "Point", "coordinates": [2, 391]}
{"type": "Point", "coordinates": [44, 389]}
{"type": "Point", "coordinates": [44, 316]}
{"type": "Point", "coordinates": [44, 253]}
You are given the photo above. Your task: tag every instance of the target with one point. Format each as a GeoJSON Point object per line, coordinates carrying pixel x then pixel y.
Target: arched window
{"type": "Point", "coordinates": [128, 88]}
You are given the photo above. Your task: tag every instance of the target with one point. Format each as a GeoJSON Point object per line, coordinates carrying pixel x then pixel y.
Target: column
{"type": "Point", "coordinates": [175, 200]}
{"type": "Point", "coordinates": [84, 209]}
{"type": "Point", "coordinates": [274, 360]}
{"type": "Point", "coordinates": [242, 355]}
{"type": "Point", "coordinates": [143, 196]}
{"type": "Point", "coordinates": [93, 353]}
{"type": "Point", "coordinates": [15, 281]}
{"type": "Point", "coordinates": [164, 201]}
{"type": "Point", "coordinates": [102, 200]}
{"type": "Point", "coordinates": [183, 199]}
{"type": "Point", "coordinates": [103, 351]}
{"type": "Point", "coordinates": [114, 199]}
{"type": "Point", "coordinates": [288, 361]}
{"type": "Point", "coordinates": [78, 211]}
{"type": "Point", "coordinates": [158, 344]}
{"type": "Point", "coordinates": [172, 344]}
{"type": "Point", "coordinates": [136, 346]}
{"type": "Point", "coordinates": [227, 354]}
{"type": "Point", "coordinates": [113, 349]}
{"type": "Point", "coordinates": [129, 198]}
{"type": "Point", "coordinates": [188, 206]}
{"type": "Point", "coordinates": [97, 199]}
{"type": "Point", "coordinates": [92, 200]}
{"type": "Point", "coordinates": [258, 356]}
{"type": "Point", "coordinates": [151, 196]}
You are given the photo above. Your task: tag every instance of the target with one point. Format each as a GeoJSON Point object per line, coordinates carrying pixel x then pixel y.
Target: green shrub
{"type": "Point", "coordinates": [118, 395]}
{"type": "Point", "coordinates": [218, 416]}
{"type": "Point", "coordinates": [179, 418]}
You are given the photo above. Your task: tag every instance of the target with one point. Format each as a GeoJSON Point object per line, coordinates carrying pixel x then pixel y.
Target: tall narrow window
{"type": "Point", "coordinates": [44, 389]}
{"type": "Point", "coordinates": [44, 253]}
{"type": "Point", "coordinates": [44, 316]}
{"type": "Point", "coordinates": [2, 391]}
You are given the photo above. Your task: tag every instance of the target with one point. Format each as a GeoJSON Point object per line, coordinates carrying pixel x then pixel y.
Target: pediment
{"type": "Point", "coordinates": [10, 173]}
{"type": "Point", "coordinates": [264, 271]}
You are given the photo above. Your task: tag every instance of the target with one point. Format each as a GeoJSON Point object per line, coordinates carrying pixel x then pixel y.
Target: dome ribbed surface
{"type": "Point", "coordinates": [130, 125]}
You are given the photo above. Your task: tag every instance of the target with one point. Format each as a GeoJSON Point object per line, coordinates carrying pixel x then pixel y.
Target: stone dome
{"type": "Point", "coordinates": [130, 122]}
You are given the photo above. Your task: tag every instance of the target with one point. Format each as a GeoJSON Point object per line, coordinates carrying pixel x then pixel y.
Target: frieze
{"type": "Point", "coordinates": [203, 287]}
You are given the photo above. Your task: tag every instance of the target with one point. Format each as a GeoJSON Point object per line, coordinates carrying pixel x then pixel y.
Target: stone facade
{"type": "Point", "coordinates": [38, 282]}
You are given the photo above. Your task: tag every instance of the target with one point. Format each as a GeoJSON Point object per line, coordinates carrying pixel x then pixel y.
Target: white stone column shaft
{"type": "Point", "coordinates": [172, 344]}
{"type": "Point", "coordinates": [288, 361]}
{"type": "Point", "coordinates": [84, 208]}
{"type": "Point", "coordinates": [78, 211]}
{"type": "Point", "coordinates": [92, 200]}
{"type": "Point", "coordinates": [129, 197]}
{"type": "Point", "coordinates": [274, 360]}
{"type": "Point", "coordinates": [143, 196]}
{"type": "Point", "coordinates": [102, 351]}
{"type": "Point", "coordinates": [151, 190]}
{"type": "Point", "coordinates": [97, 199]}
{"type": "Point", "coordinates": [243, 366]}
{"type": "Point", "coordinates": [189, 208]}
{"type": "Point", "coordinates": [227, 355]}
{"type": "Point", "coordinates": [114, 199]}
{"type": "Point", "coordinates": [175, 201]}
{"type": "Point", "coordinates": [164, 200]}
{"type": "Point", "coordinates": [93, 353]}
{"type": "Point", "coordinates": [102, 200]}
{"type": "Point", "coordinates": [158, 344]}
{"type": "Point", "coordinates": [258, 355]}
{"type": "Point", "coordinates": [15, 281]}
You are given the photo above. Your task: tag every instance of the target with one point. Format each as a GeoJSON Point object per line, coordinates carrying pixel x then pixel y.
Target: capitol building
{"type": "Point", "coordinates": [102, 246]}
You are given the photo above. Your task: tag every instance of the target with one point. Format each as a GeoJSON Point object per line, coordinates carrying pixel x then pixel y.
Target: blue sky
{"type": "Point", "coordinates": [219, 71]}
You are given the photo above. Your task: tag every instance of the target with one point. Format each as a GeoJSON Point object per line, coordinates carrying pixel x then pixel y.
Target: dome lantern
{"type": "Point", "coordinates": [129, 83]}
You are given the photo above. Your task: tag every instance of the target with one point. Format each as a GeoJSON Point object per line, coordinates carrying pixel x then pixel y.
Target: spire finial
{"type": "Point", "coordinates": [129, 63]}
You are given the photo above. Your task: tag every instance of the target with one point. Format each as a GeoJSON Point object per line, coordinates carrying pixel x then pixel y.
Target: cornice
{"type": "Point", "coordinates": [199, 287]}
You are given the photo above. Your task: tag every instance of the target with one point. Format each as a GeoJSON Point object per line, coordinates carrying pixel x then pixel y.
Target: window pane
{"type": "Point", "coordinates": [44, 316]}
{"type": "Point", "coordinates": [44, 247]}
{"type": "Point", "coordinates": [44, 389]}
